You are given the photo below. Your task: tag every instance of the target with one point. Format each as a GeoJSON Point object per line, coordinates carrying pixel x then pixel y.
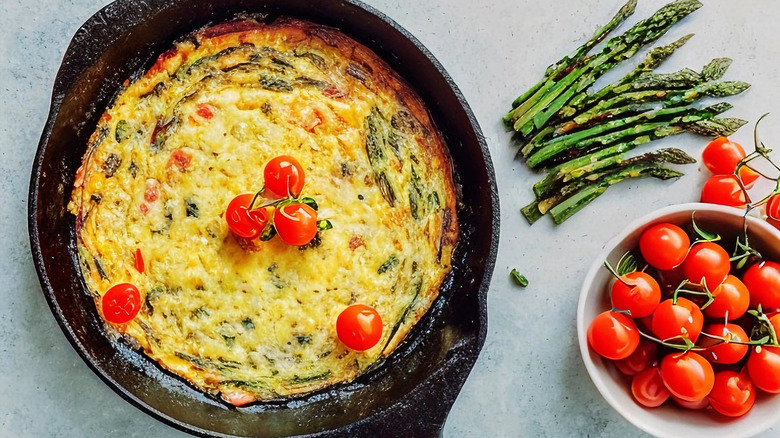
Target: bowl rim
{"type": "Point", "coordinates": [109, 14]}
{"type": "Point", "coordinates": [597, 376]}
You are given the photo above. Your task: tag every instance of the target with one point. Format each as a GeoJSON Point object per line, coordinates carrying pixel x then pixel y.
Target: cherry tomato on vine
{"type": "Point", "coordinates": [773, 207]}
{"type": "Point", "coordinates": [731, 297]}
{"type": "Point", "coordinates": [723, 190]}
{"type": "Point", "coordinates": [726, 352]}
{"type": "Point", "coordinates": [240, 221]}
{"type": "Point", "coordinates": [721, 157]}
{"type": "Point", "coordinates": [733, 394]}
{"type": "Point", "coordinates": [664, 245]}
{"type": "Point", "coordinates": [763, 282]}
{"type": "Point", "coordinates": [673, 321]}
{"type": "Point", "coordinates": [648, 388]}
{"type": "Point", "coordinates": [688, 376]}
{"type": "Point", "coordinates": [359, 327]}
{"type": "Point", "coordinates": [613, 335]}
{"type": "Point", "coordinates": [763, 365]}
{"type": "Point", "coordinates": [296, 223]}
{"type": "Point", "coordinates": [284, 176]}
{"type": "Point", "coordinates": [641, 359]}
{"type": "Point", "coordinates": [121, 303]}
{"type": "Point", "coordinates": [636, 292]}
{"type": "Point", "coordinates": [708, 261]}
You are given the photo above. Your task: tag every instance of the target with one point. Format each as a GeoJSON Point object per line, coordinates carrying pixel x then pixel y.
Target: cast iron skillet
{"type": "Point", "coordinates": [413, 391]}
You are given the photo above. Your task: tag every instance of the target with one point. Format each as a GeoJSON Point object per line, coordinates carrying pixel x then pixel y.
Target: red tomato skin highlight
{"type": "Point", "coordinates": [664, 246]}
{"type": "Point", "coordinates": [644, 357]}
{"type": "Point", "coordinates": [733, 394]}
{"type": "Point", "coordinates": [763, 282]}
{"type": "Point", "coordinates": [707, 261]}
{"type": "Point", "coordinates": [772, 207]}
{"type": "Point", "coordinates": [359, 327]}
{"type": "Point", "coordinates": [726, 353]}
{"type": "Point", "coordinates": [681, 319]}
{"type": "Point", "coordinates": [648, 388]}
{"type": "Point", "coordinates": [613, 335]}
{"type": "Point", "coordinates": [688, 376]}
{"type": "Point", "coordinates": [731, 296]}
{"type": "Point", "coordinates": [641, 298]}
{"type": "Point", "coordinates": [721, 156]}
{"type": "Point", "coordinates": [763, 366]}
{"type": "Point", "coordinates": [283, 173]}
{"type": "Point", "coordinates": [121, 303]}
{"type": "Point", "coordinates": [723, 190]}
{"type": "Point", "coordinates": [238, 219]}
{"type": "Point", "coordinates": [300, 230]}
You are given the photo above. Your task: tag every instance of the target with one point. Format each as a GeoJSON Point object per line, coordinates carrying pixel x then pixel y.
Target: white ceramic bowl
{"type": "Point", "coordinates": [670, 420]}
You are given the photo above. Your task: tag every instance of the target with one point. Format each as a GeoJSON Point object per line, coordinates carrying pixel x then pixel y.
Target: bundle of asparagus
{"type": "Point", "coordinates": [582, 137]}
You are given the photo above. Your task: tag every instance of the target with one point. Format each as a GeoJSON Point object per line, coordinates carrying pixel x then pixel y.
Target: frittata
{"type": "Point", "coordinates": [254, 321]}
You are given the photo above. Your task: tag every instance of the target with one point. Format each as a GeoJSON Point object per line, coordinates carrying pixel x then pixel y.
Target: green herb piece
{"type": "Point", "coordinates": [389, 264]}
{"type": "Point", "coordinates": [520, 279]}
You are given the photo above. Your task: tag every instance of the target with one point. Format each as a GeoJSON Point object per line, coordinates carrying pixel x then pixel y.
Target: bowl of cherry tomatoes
{"type": "Point", "coordinates": [678, 322]}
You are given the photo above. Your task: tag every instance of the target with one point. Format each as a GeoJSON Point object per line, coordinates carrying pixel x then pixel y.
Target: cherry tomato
{"type": "Point", "coordinates": [773, 207]}
{"type": "Point", "coordinates": [640, 298]}
{"type": "Point", "coordinates": [721, 157]}
{"type": "Point", "coordinates": [648, 388]}
{"type": "Point", "coordinates": [775, 320]}
{"type": "Point", "coordinates": [763, 282]}
{"type": "Point", "coordinates": [641, 359]}
{"type": "Point", "coordinates": [664, 246]}
{"type": "Point", "coordinates": [733, 394]}
{"type": "Point", "coordinates": [613, 335]}
{"type": "Point", "coordinates": [731, 297]}
{"type": "Point", "coordinates": [688, 376]}
{"type": "Point", "coordinates": [359, 327]}
{"type": "Point", "coordinates": [709, 262]}
{"type": "Point", "coordinates": [672, 321]}
{"type": "Point", "coordinates": [121, 303]}
{"type": "Point", "coordinates": [239, 220]}
{"type": "Point", "coordinates": [694, 405]}
{"type": "Point", "coordinates": [296, 223]}
{"type": "Point", "coordinates": [763, 365]}
{"type": "Point", "coordinates": [723, 190]}
{"type": "Point", "coordinates": [727, 352]}
{"type": "Point", "coordinates": [284, 175]}
{"type": "Point", "coordinates": [139, 261]}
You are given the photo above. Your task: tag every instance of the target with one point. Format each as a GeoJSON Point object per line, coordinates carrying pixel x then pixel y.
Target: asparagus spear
{"type": "Point", "coordinates": [578, 201]}
{"type": "Point", "coordinates": [555, 70]}
{"type": "Point", "coordinates": [609, 166]}
{"type": "Point", "coordinates": [635, 102]}
{"type": "Point", "coordinates": [669, 96]}
{"type": "Point", "coordinates": [585, 164]}
{"type": "Point", "coordinates": [628, 126]}
{"type": "Point", "coordinates": [653, 59]}
{"type": "Point", "coordinates": [616, 50]}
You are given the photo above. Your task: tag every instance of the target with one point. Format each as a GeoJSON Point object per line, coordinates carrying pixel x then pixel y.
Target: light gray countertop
{"type": "Point", "coordinates": [529, 380]}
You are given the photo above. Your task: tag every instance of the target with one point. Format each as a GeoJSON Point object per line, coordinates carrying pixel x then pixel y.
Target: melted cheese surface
{"type": "Point", "coordinates": [256, 320]}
